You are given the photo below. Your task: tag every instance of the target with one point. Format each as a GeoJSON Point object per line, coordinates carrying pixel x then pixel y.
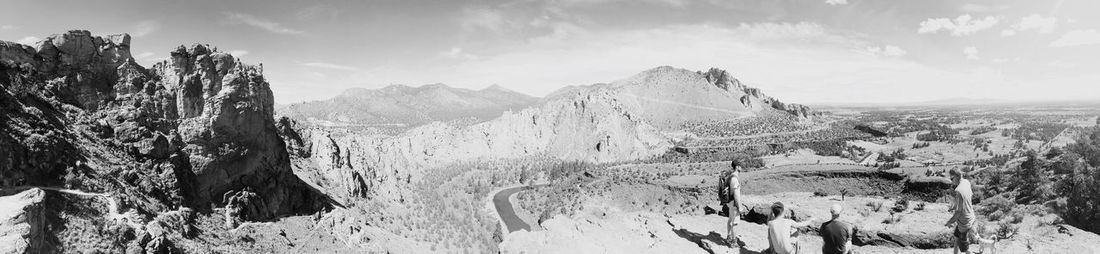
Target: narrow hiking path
{"type": "Point", "coordinates": [112, 205]}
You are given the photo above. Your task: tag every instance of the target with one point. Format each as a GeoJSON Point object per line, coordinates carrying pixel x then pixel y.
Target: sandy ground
{"type": "Point", "coordinates": [801, 156]}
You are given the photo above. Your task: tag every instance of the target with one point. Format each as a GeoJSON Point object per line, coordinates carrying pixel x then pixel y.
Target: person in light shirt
{"type": "Point", "coordinates": [783, 232]}
{"type": "Point", "coordinates": [963, 218]}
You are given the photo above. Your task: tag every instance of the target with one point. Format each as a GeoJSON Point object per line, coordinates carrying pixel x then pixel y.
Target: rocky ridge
{"type": "Point", "coordinates": [195, 130]}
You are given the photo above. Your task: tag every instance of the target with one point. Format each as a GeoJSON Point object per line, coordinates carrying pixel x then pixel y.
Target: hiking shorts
{"type": "Point", "coordinates": [962, 239]}
{"type": "Point", "coordinates": [734, 210]}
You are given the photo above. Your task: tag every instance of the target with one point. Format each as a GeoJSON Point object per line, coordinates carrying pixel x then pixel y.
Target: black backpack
{"type": "Point", "coordinates": [723, 186]}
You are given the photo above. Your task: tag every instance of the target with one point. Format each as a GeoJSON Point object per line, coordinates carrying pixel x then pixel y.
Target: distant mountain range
{"type": "Point", "coordinates": [665, 97]}
{"type": "Point", "coordinates": [402, 105]}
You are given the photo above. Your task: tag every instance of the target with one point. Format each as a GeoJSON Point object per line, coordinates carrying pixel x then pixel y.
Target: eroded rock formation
{"type": "Point", "coordinates": [79, 112]}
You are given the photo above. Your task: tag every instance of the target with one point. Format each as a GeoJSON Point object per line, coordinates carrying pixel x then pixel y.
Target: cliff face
{"type": "Point", "coordinates": [594, 126]}
{"type": "Point", "coordinates": [193, 130]}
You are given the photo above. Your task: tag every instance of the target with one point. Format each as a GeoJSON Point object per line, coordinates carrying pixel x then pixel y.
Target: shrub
{"type": "Point", "coordinates": [1006, 230]}
{"type": "Point", "coordinates": [875, 205]}
{"type": "Point", "coordinates": [901, 205]}
{"type": "Point", "coordinates": [1016, 218]}
{"type": "Point", "coordinates": [919, 207]}
{"type": "Point", "coordinates": [995, 216]}
{"type": "Point", "coordinates": [997, 203]}
{"type": "Point", "coordinates": [893, 219]}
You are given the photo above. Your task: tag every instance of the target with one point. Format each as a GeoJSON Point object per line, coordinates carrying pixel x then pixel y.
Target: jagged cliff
{"type": "Point", "coordinates": [722, 79]}
{"type": "Point", "coordinates": [194, 130]}
{"type": "Point", "coordinates": [591, 127]}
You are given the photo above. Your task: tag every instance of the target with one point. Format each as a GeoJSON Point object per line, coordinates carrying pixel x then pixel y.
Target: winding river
{"type": "Point", "coordinates": [506, 210]}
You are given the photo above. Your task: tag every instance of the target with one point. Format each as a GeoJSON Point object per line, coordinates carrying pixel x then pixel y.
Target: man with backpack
{"type": "Point", "coordinates": [729, 193]}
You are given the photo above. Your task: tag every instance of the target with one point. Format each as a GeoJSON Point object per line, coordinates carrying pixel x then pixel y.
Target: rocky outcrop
{"type": "Point", "coordinates": [227, 129]}
{"type": "Point", "coordinates": [722, 79]}
{"type": "Point", "coordinates": [182, 133]}
{"type": "Point", "coordinates": [244, 205]}
{"type": "Point", "coordinates": [23, 226]}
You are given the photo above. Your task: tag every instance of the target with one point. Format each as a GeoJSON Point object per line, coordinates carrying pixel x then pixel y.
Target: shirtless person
{"type": "Point", "coordinates": [731, 191]}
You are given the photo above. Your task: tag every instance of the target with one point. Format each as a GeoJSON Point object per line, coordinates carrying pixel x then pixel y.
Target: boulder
{"type": "Point", "coordinates": [161, 245]}
{"type": "Point", "coordinates": [243, 206]}
{"type": "Point", "coordinates": [156, 147]}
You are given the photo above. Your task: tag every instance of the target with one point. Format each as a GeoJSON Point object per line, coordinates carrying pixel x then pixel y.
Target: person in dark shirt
{"type": "Point", "coordinates": [837, 234]}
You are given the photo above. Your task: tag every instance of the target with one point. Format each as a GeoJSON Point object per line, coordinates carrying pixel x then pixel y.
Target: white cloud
{"type": "Point", "coordinates": [456, 52]}
{"type": "Point", "coordinates": [29, 40]}
{"type": "Point", "coordinates": [483, 18]}
{"type": "Point", "coordinates": [1077, 38]}
{"type": "Point", "coordinates": [575, 3]}
{"type": "Point", "coordinates": [318, 11]}
{"type": "Point", "coordinates": [801, 30]}
{"type": "Point", "coordinates": [1008, 32]}
{"type": "Point", "coordinates": [960, 26]}
{"type": "Point", "coordinates": [836, 2]}
{"type": "Point", "coordinates": [1037, 23]}
{"type": "Point", "coordinates": [144, 28]}
{"type": "Point", "coordinates": [238, 52]}
{"type": "Point", "coordinates": [329, 66]}
{"type": "Point", "coordinates": [261, 23]}
{"type": "Point", "coordinates": [888, 50]}
{"type": "Point", "coordinates": [8, 27]}
{"type": "Point", "coordinates": [971, 53]}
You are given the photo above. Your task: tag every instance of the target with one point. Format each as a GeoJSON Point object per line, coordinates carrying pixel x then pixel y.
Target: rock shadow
{"type": "Point", "coordinates": [713, 237]}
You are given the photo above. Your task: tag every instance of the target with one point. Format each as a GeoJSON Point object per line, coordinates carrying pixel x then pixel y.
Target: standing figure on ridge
{"type": "Point", "coordinates": [963, 218]}
{"type": "Point", "coordinates": [729, 192]}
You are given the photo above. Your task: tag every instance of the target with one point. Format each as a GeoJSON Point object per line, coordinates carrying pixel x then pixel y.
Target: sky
{"type": "Point", "coordinates": [801, 51]}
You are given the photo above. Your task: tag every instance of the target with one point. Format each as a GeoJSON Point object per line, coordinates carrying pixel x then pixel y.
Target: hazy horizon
{"type": "Point", "coordinates": [808, 52]}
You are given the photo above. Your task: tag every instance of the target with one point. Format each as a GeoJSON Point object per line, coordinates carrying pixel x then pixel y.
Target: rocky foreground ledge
{"type": "Point", "coordinates": [607, 229]}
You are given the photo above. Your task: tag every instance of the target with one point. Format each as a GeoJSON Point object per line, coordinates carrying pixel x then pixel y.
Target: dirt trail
{"type": "Point", "coordinates": [112, 205]}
